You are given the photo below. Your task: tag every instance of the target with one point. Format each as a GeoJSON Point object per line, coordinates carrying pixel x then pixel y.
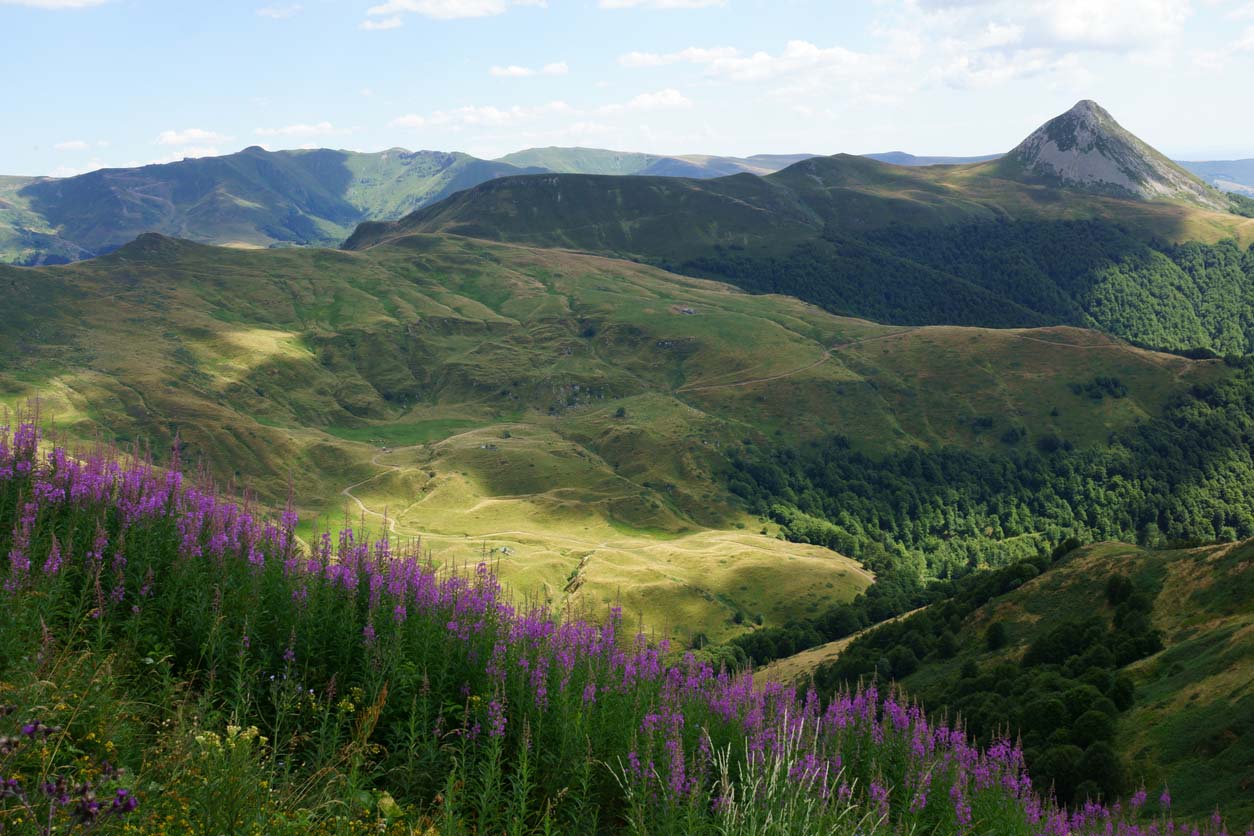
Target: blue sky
{"type": "Point", "coordinates": [127, 82]}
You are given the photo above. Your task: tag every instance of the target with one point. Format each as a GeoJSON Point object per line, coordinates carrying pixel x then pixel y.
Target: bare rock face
{"type": "Point", "coordinates": [1085, 148]}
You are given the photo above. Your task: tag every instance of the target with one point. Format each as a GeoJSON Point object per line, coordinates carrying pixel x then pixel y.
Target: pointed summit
{"type": "Point", "coordinates": [1085, 148]}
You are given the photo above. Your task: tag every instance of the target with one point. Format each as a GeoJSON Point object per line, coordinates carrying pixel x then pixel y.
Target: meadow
{"type": "Point", "coordinates": [566, 415]}
{"type": "Point", "coordinates": [174, 662]}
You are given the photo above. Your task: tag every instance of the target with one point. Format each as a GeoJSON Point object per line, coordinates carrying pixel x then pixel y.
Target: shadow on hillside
{"type": "Point", "coordinates": [253, 197]}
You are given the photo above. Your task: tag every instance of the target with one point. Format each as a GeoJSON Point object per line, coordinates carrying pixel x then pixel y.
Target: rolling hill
{"type": "Point", "coordinates": [1076, 166]}
{"type": "Point", "coordinates": [254, 198]}
{"type": "Point", "coordinates": [259, 198]}
{"type": "Point", "coordinates": [995, 244]}
{"type": "Point", "coordinates": [1229, 175]}
{"type": "Point", "coordinates": [1188, 702]}
{"type": "Point", "coordinates": [601, 161]}
{"type": "Point", "coordinates": [576, 411]}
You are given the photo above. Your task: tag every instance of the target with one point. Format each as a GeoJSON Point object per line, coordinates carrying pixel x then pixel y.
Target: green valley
{"type": "Point", "coordinates": [571, 416]}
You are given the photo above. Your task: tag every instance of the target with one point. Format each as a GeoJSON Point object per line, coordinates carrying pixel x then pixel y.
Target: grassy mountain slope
{"type": "Point", "coordinates": [254, 198]}
{"type": "Point", "coordinates": [1082, 224]}
{"type": "Point", "coordinates": [1193, 702]}
{"type": "Point", "coordinates": [1085, 148]}
{"type": "Point", "coordinates": [25, 235]}
{"type": "Point", "coordinates": [574, 410]}
{"type": "Point", "coordinates": [847, 193]}
{"type": "Point", "coordinates": [601, 161]}
{"type": "Point", "coordinates": [923, 245]}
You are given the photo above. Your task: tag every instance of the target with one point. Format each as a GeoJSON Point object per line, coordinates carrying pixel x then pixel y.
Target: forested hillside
{"type": "Point", "coordinates": [1182, 477]}
{"type": "Point", "coordinates": [1095, 273]}
{"type": "Point", "coordinates": [1082, 224]}
{"type": "Point", "coordinates": [1119, 667]}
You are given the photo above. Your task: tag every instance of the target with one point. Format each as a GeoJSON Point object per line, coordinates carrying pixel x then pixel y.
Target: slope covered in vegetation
{"type": "Point", "coordinates": [573, 413]}
{"type": "Point", "coordinates": [1083, 224]}
{"type": "Point", "coordinates": [253, 198]}
{"type": "Point", "coordinates": [1118, 666]}
{"type": "Point", "coordinates": [185, 655]}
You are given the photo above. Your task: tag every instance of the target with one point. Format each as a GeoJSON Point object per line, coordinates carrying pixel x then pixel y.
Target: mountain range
{"type": "Point", "coordinates": [1081, 224]}
{"type": "Point", "coordinates": [754, 410]}
{"type": "Point", "coordinates": [259, 198]}
{"type": "Point", "coordinates": [1235, 176]}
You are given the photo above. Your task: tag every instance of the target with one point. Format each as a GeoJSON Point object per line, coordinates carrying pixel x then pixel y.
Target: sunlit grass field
{"type": "Point", "coordinates": [568, 416]}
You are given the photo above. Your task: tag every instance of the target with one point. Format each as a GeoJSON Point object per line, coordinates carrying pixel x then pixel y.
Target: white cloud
{"type": "Point", "coordinates": [668, 99]}
{"type": "Point", "coordinates": [54, 4]}
{"type": "Point", "coordinates": [393, 22]}
{"type": "Point", "coordinates": [660, 4]}
{"type": "Point", "coordinates": [515, 71]}
{"type": "Point", "coordinates": [319, 129]}
{"type": "Point", "coordinates": [512, 71]}
{"type": "Point", "coordinates": [988, 69]}
{"type": "Point", "coordinates": [732, 64]}
{"type": "Point", "coordinates": [409, 120]}
{"type": "Point", "coordinates": [279, 12]}
{"type": "Point", "coordinates": [1114, 23]}
{"type": "Point", "coordinates": [191, 136]}
{"type": "Point", "coordinates": [482, 117]}
{"type": "Point", "coordinates": [489, 116]}
{"type": "Point", "coordinates": [71, 145]}
{"type": "Point", "coordinates": [72, 170]}
{"type": "Point", "coordinates": [691, 55]}
{"type": "Point", "coordinates": [551, 122]}
{"type": "Point", "coordinates": [391, 10]}
{"type": "Point", "coordinates": [1082, 24]}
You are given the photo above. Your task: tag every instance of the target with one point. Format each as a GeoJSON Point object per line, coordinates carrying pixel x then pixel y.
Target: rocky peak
{"type": "Point", "coordinates": [1085, 148]}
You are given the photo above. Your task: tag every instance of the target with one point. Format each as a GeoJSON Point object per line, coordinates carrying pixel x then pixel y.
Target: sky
{"type": "Point", "coordinates": [96, 83]}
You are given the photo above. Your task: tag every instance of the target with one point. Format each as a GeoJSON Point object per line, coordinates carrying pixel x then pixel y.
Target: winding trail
{"type": "Point", "coordinates": [827, 355]}
{"type": "Point", "coordinates": [791, 668]}
{"type": "Point", "coordinates": [390, 468]}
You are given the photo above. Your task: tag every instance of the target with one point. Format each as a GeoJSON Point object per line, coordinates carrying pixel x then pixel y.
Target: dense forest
{"type": "Point", "coordinates": [1184, 476]}
{"type": "Point", "coordinates": [922, 519]}
{"type": "Point", "coordinates": [1063, 697]}
{"type": "Point", "coordinates": [1021, 273]}
{"type": "Point", "coordinates": [1242, 205]}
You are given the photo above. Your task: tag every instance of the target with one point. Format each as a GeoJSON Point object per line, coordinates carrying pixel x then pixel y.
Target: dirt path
{"type": "Point", "coordinates": [390, 468]}
{"type": "Point", "coordinates": [791, 668]}
{"type": "Point", "coordinates": [827, 355]}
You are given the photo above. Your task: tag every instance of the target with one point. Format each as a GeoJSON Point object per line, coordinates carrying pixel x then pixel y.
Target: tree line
{"type": "Point", "coordinates": [1092, 273]}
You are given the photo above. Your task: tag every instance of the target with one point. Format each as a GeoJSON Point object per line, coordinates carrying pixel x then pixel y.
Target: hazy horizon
{"type": "Point", "coordinates": [721, 77]}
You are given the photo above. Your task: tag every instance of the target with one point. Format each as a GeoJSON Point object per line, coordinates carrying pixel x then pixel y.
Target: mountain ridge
{"type": "Point", "coordinates": [260, 198]}
{"type": "Point", "coordinates": [1085, 148]}
{"type": "Point", "coordinates": [991, 244]}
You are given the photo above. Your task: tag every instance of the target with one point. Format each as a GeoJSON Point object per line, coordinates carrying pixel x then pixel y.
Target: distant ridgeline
{"type": "Point", "coordinates": [1081, 224]}
{"type": "Point", "coordinates": [1019, 273]}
